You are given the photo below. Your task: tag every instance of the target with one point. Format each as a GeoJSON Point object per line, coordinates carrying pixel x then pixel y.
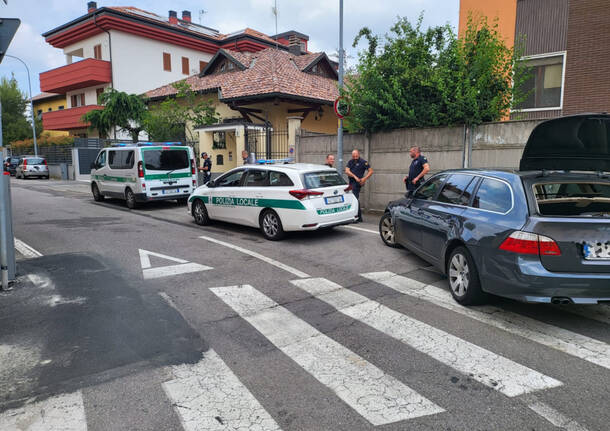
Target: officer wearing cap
{"type": "Point", "coordinates": [355, 170]}
{"type": "Point", "coordinates": [206, 168]}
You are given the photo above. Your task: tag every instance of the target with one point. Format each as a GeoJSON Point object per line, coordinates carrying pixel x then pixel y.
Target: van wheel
{"type": "Point", "coordinates": [464, 278]}
{"type": "Point", "coordinates": [386, 230]}
{"type": "Point", "coordinates": [200, 213]}
{"type": "Point", "coordinates": [271, 225]}
{"type": "Point", "coordinates": [130, 199]}
{"type": "Point", "coordinates": [97, 196]}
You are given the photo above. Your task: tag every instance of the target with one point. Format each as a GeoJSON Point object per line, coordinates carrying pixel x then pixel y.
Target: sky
{"type": "Point", "coordinates": [317, 18]}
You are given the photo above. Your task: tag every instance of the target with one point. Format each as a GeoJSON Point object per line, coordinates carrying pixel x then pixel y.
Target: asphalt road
{"type": "Point", "coordinates": [142, 320]}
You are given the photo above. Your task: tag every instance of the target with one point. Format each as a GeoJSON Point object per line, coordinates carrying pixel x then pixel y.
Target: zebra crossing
{"type": "Point", "coordinates": [208, 395]}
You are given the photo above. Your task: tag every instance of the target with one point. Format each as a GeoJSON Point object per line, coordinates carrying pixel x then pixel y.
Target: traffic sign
{"type": "Point", "coordinates": [341, 107]}
{"type": "Point", "coordinates": [8, 28]}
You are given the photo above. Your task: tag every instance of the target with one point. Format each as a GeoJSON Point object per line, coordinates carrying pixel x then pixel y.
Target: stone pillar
{"type": "Point", "coordinates": [294, 127]}
{"type": "Point", "coordinates": [240, 144]}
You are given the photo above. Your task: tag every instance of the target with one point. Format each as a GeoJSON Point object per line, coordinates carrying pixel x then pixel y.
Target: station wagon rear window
{"type": "Point", "coordinates": [583, 199]}
{"type": "Point", "coordinates": [35, 161]}
{"type": "Point", "coordinates": [165, 160]}
{"type": "Point", "coordinates": [315, 180]}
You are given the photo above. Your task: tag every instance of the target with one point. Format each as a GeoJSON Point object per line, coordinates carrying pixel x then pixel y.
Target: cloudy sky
{"type": "Point", "coordinates": [317, 18]}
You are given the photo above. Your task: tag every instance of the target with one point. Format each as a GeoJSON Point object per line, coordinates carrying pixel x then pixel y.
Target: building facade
{"type": "Point", "coordinates": [133, 50]}
{"type": "Point", "coordinates": [49, 102]}
{"type": "Point", "coordinates": [567, 46]}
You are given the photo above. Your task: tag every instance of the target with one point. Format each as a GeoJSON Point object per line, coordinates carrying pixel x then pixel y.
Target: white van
{"type": "Point", "coordinates": [144, 172]}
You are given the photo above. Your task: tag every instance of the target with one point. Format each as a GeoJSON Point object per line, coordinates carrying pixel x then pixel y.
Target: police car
{"type": "Point", "coordinates": [144, 172]}
{"type": "Point", "coordinates": [276, 198]}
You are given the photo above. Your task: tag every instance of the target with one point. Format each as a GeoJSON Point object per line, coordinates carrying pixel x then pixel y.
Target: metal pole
{"type": "Point", "coordinates": [31, 102]}
{"type": "Point", "coordinates": [341, 55]}
{"type": "Point", "coordinates": [7, 244]}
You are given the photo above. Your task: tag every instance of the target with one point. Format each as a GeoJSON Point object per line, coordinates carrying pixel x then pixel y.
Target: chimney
{"type": "Point", "coordinates": [186, 15]}
{"type": "Point", "coordinates": [173, 17]}
{"type": "Point", "coordinates": [294, 45]}
{"type": "Point", "coordinates": [91, 7]}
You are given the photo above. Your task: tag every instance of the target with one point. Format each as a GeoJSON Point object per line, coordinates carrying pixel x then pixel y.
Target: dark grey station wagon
{"type": "Point", "coordinates": [540, 234]}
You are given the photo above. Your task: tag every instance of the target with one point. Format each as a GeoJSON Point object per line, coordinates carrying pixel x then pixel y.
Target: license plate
{"type": "Point", "coordinates": [596, 250]}
{"type": "Point", "coordinates": [169, 192]}
{"type": "Point", "coordinates": [334, 200]}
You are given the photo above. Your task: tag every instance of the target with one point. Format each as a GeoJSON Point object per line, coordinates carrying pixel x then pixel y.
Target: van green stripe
{"type": "Point", "coordinates": [117, 179]}
{"type": "Point", "coordinates": [165, 177]}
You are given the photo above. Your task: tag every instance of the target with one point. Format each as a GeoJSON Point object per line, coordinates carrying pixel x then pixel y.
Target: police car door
{"type": "Point", "coordinates": [223, 204]}
{"type": "Point", "coordinates": [256, 187]}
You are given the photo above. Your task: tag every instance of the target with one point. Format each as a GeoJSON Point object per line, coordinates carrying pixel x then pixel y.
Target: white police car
{"type": "Point", "coordinates": [276, 198]}
{"type": "Point", "coordinates": [144, 172]}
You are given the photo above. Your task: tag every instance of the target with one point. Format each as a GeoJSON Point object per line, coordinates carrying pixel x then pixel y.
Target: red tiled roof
{"type": "Point", "coordinates": [268, 72]}
{"type": "Point", "coordinates": [44, 95]}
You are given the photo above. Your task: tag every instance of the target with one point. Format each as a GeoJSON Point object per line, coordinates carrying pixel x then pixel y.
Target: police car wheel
{"type": "Point", "coordinates": [200, 213]}
{"type": "Point", "coordinates": [386, 230]}
{"type": "Point", "coordinates": [271, 225]}
{"type": "Point", "coordinates": [130, 199]}
{"type": "Point", "coordinates": [97, 196]}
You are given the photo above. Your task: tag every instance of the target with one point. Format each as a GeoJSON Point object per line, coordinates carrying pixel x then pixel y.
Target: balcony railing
{"type": "Point", "coordinates": [85, 73]}
{"type": "Point", "coordinates": [67, 119]}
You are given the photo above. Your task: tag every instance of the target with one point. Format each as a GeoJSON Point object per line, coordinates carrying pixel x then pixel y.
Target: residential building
{"type": "Point", "coordinates": [49, 102]}
{"type": "Point", "coordinates": [263, 98]}
{"type": "Point", "coordinates": [566, 44]}
{"type": "Point", "coordinates": [133, 50]}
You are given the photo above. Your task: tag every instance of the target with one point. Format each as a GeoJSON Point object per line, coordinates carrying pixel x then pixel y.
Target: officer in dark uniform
{"type": "Point", "coordinates": [419, 167]}
{"type": "Point", "coordinates": [206, 168]}
{"type": "Point", "coordinates": [355, 170]}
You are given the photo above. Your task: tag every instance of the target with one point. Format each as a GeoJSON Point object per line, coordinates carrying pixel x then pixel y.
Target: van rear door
{"type": "Point", "coordinates": [167, 170]}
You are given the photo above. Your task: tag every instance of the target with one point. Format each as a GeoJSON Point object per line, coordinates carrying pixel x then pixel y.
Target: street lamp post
{"type": "Point", "coordinates": [31, 102]}
{"type": "Point", "coordinates": [340, 128]}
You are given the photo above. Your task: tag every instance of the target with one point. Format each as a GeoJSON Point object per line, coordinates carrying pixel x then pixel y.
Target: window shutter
{"type": "Point", "coordinates": [97, 52]}
{"type": "Point", "coordinates": [185, 65]}
{"type": "Point", "coordinates": [202, 65]}
{"type": "Point", "coordinates": [167, 62]}
{"type": "Point", "coordinates": [82, 99]}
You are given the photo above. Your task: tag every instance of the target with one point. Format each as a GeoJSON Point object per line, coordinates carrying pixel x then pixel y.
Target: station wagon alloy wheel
{"type": "Point", "coordinates": [459, 275]}
{"type": "Point", "coordinates": [200, 213]}
{"type": "Point", "coordinates": [271, 226]}
{"type": "Point", "coordinates": [386, 230]}
{"type": "Point", "coordinates": [464, 278]}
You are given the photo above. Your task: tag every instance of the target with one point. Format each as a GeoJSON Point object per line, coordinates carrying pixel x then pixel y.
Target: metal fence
{"type": "Point", "coordinates": [54, 154]}
{"type": "Point", "coordinates": [267, 143]}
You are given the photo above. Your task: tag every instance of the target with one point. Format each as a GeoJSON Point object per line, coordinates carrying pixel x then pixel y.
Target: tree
{"type": "Point", "coordinates": [122, 110]}
{"type": "Point", "coordinates": [15, 125]}
{"type": "Point", "coordinates": [172, 118]}
{"type": "Point", "coordinates": [430, 78]}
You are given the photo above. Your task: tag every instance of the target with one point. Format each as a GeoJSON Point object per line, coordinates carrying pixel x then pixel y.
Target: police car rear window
{"type": "Point", "coordinates": [165, 160]}
{"type": "Point", "coordinates": [315, 180]}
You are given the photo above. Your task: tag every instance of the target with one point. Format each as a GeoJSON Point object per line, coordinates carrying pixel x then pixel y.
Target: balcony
{"type": "Point", "coordinates": [85, 73]}
{"type": "Point", "coordinates": [67, 119]}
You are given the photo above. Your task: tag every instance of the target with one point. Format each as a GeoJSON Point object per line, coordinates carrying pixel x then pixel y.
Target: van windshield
{"type": "Point", "coordinates": [165, 160]}
{"type": "Point", "coordinates": [573, 199]}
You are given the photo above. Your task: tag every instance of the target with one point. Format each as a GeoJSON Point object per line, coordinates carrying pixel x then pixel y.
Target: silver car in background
{"type": "Point", "coordinates": [32, 166]}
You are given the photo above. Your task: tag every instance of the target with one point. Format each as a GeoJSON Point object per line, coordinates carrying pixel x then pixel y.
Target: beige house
{"type": "Point", "coordinates": [263, 99]}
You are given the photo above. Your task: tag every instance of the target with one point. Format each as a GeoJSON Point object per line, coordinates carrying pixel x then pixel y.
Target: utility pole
{"type": "Point", "coordinates": [341, 55]}
{"type": "Point", "coordinates": [7, 244]}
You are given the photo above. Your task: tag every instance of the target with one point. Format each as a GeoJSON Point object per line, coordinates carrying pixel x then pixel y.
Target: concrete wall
{"type": "Point", "coordinates": [494, 145]}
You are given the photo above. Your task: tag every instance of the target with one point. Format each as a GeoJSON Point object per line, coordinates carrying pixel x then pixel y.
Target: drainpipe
{"type": "Point", "coordinates": [110, 53]}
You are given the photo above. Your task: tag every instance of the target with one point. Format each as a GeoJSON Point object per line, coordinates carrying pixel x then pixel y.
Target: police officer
{"type": "Point", "coordinates": [419, 167]}
{"type": "Point", "coordinates": [330, 161]}
{"type": "Point", "coordinates": [206, 168]}
{"type": "Point", "coordinates": [355, 170]}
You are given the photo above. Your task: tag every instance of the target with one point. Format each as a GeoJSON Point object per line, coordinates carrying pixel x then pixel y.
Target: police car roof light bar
{"type": "Point", "coordinates": [275, 161]}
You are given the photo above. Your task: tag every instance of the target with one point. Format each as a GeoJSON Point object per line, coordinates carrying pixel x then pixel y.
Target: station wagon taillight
{"type": "Point", "coordinates": [530, 243]}
{"type": "Point", "coordinates": [44, 162]}
{"type": "Point", "coordinates": [304, 194]}
{"type": "Point", "coordinates": [140, 170]}
{"type": "Point", "coordinates": [193, 167]}
{"type": "Point", "coordinates": [25, 162]}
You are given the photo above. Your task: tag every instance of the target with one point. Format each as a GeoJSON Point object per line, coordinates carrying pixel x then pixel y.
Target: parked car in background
{"type": "Point", "coordinates": [10, 164]}
{"type": "Point", "coordinates": [540, 234]}
{"type": "Point", "coordinates": [144, 172]}
{"type": "Point", "coordinates": [277, 198]}
{"type": "Point", "coordinates": [32, 166]}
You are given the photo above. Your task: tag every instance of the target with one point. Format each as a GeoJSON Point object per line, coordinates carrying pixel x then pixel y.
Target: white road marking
{"type": "Point", "coordinates": [362, 229]}
{"type": "Point", "coordinates": [183, 267]}
{"type": "Point", "coordinates": [26, 250]}
{"type": "Point", "coordinates": [208, 396]}
{"type": "Point", "coordinates": [378, 397]}
{"type": "Point", "coordinates": [555, 417]}
{"type": "Point", "coordinates": [580, 346]}
{"type": "Point", "coordinates": [61, 413]}
{"type": "Point", "coordinates": [494, 371]}
{"type": "Point", "coordinates": [270, 261]}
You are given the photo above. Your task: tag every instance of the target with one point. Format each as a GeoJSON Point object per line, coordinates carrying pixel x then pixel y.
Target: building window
{"type": "Point", "coordinates": [39, 114]}
{"type": "Point", "coordinates": [77, 100]}
{"type": "Point", "coordinates": [544, 85]}
{"type": "Point", "coordinates": [230, 65]}
{"type": "Point", "coordinates": [98, 93]}
{"type": "Point", "coordinates": [50, 109]}
{"type": "Point", "coordinates": [61, 107]}
{"type": "Point", "coordinates": [185, 65]}
{"type": "Point", "coordinates": [202, 65]}
{"type": "Point", "coordinates": [167, 62]}
{"type": "Point", "coordinates": [220, 141]}
{"type": "Point", "coordinates": [220, 160]}
{"type": "Point", "coordinates": [97, 52]}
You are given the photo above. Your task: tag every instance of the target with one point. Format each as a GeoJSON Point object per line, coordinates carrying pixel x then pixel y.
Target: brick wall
{"type": "Point", "coordinates": [587, 84]}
